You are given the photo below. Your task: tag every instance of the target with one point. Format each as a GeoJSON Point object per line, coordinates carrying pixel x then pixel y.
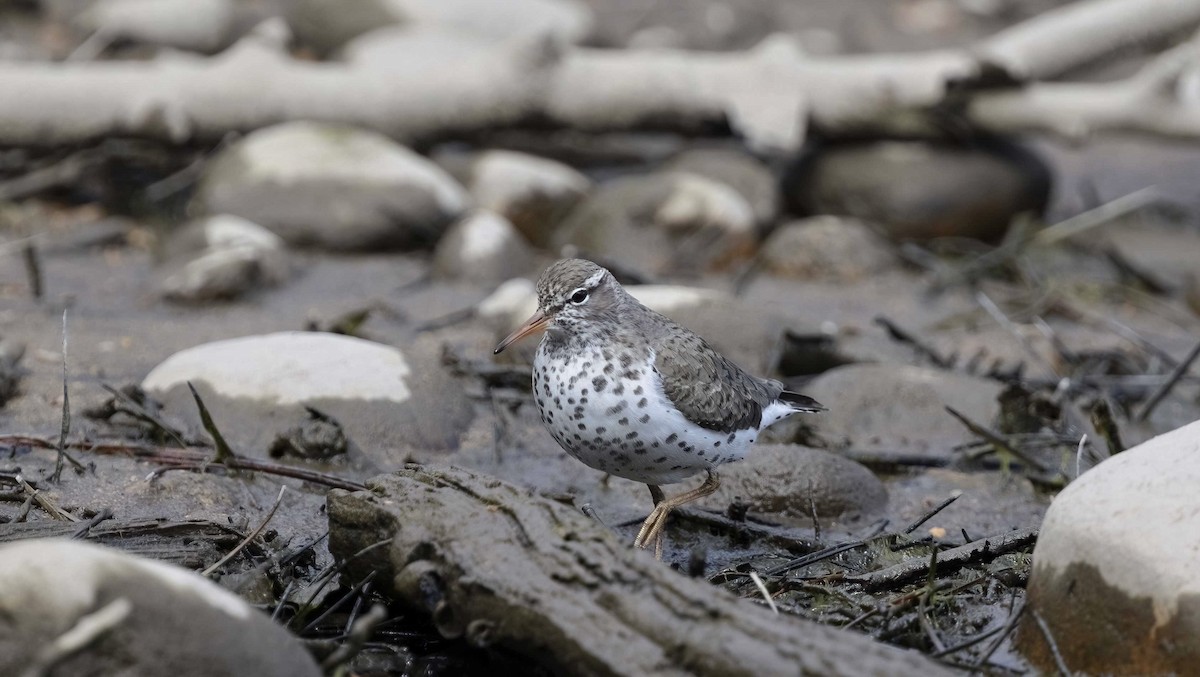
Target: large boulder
{"type": "Point", "coordinates": [388, 400]}
{"type": "Point", "coordinates": [1115, 576]}
{"type": "Point", "coordinates": [482, 247]}
{"type": "Point", "coordinates": [826, 248]}
{"type": "Point", "coordinates": [335, 187]}
{"type": "Point", "coordinates": [145, 617]}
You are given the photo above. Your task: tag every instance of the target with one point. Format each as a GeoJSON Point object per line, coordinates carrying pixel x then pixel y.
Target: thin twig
{"type": "Point", "coordinates": [758, 582]}
{"type": "Point", "coordinates": [245, 541]}
{"type": "Point", "coordinates": [995, 439]}
{"type": "Point", "coordinates": [1099, 216]}
{"type": "Point", "coordinates": [33, 269]}
{"type": "Point", "coordinates": [224, 453]}
{"type": "Point", "coordinates": [929, 515]}
{"type": "Point", "coordinates": [1058, 658]}
{"type": "Point", "coordinates": [65, 428]}
{"type": "Point", "coordinates": [359, 633]}
{"type": "Point", "coordinates": [1162, 392]}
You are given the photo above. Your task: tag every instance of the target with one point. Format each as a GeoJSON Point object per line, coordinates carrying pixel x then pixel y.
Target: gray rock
{"type": "Point", "coordinates": [199, 25]}
{"type": "Point", "coordinates": [534, 193]}
{"type": "Point", "coordinates": [791, 480]}
{"type": "Point", "coordinates": [387, 400]}
{"type": "Point", "coordinates": [825, 248]}
{"type": "Point", "coordinates": [919, 190]}
{"type": "Point", "coordinates": [148, 618]}
{"type": "Point", "coordinates": [221, 257]}
{"type": "Point", "coordinates": [740, 171]}
{"type": "Point", "coordinates": [1114, 570]}
{"type": "Point", "coordinates": [898, 407]}
{"type": "Point", "coordinates": [482, 247]}
{"type": "Point", "coordinates": [335, 187]}
{"type": "Point", "coordinates": [663, 222]}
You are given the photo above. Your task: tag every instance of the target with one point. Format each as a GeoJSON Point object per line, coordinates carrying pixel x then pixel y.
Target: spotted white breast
{"type": "Point", "coordinates": [610, 412]}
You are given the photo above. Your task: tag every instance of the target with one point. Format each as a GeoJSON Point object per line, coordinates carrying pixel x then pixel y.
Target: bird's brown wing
{"type": "Point", "coordinates": [710, 390]}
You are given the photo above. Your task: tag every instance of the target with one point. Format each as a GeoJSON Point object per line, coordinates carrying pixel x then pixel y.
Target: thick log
{"type": "Point", "coordinates": [502, 566]}
{"type": "Point", "coordinates": [770, 94]}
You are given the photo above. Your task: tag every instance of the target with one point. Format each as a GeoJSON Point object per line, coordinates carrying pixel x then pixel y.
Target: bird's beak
{"type": "Point", "coordinates": [538, 321]}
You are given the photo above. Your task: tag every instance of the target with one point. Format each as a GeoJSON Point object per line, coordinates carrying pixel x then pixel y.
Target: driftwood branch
{"type": "Point", "coordinates": [770, 94]}
{"type": "Point", "coordinates": [496, 564]}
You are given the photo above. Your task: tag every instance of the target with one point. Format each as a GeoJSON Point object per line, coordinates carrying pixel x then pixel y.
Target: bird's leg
{"type": "Point", "coordinates": [657, 495]}
{"type": "Point", "coordinates": [653, 527]}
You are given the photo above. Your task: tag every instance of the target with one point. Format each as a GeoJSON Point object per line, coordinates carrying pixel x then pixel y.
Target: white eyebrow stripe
{"type": "Point", "coordinates": [594, 279]}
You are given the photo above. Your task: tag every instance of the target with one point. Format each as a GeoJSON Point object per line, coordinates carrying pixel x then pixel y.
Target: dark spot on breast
{"type": "Point", "coordinates": [582, 426]}
{"type": "Point", "coordinates": [638, 390]}
{"type": "Point", "coordinates": [623, 422]}
{"type": "Point", "coordinates": [632, 436]}
{"type": "Point", "coordinates": [716, 444]}
{"type": "Point", "coordinates": [583, 392]}
{"type": "Point", "coordinates": [570, 400]}
{"type": "Point", "coordinates": [599, 382]}
{"type": "Point", "coordinates": [661, 459]}
{"type": "Point", "coordinates": [600, 430]}
{"type": "Point", "coordinates": [616, 408]}
{"type": "Point", "coordinates": [671, 438]}
{"type": "Point", "coordinates": [626, 360]}
{"type": "Point", "coordinates": [619, 389]}
{"type": "Point", "coordinates": [609, 368]}
{"type": "Point", "coordinates": [654, 444]}
{"type": "Point", "coordinates": [676, 467]}
{"type": "Point", "coordinates": [731, 438]}
{"type": "Point", "coordinates": [644, 419]}
{"type": "Point", "coordinates": [642, 403]}
{"type": "Point", "coordinates": [583, 400]}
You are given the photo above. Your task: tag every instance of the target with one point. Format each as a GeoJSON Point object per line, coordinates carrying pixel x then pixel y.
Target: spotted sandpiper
{"type": "Point", "coordinates": [627, 391]}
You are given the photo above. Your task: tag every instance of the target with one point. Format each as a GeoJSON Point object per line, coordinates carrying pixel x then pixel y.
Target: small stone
{"type": "Point", "coordinates": [384, 398]}
{"type": "Point", "coordinates": [899, 407]}
{"type": "Point", "coordinates": [790, 480]}
{"type": "Point", "coordinates": [1114, 570]}
{"type": "Point", "coordinates": [534, 193]}
{"type": "Point", "coordinates": [920, 190]}
{"type": "Point", "coordinates": [663, 222]}
{"type": "Point", "coordinates": [826, 248]}
{"type": "Point", "coordinates": [149, 618]}
{"type": "Point", "coordinates": [482, 247]}
{"type": "Point", "coordinates": [740, 171]}
{"type": "Point", "coordinates": [340, 188]}
{"type": "Point", "coordinates": [221, 257]}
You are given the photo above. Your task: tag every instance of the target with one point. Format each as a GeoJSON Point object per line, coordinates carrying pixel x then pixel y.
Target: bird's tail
{"type": "Point", "coordinates": [800, 402]}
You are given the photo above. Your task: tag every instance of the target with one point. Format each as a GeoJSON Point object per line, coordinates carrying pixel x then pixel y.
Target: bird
{"type": "Point", "coordinates": [630, 392]}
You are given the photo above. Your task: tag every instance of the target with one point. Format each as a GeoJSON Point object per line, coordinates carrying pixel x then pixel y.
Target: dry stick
{"type": "Point", "coordinates": [65, 429]}
{"type": "Point", "coordinates": [224, 453]}
{"type": "Point", "coordinates": [995, 439]}
{"type": "Point", "coordinates": [994, 310]}
{"type": "Point", "coordinates": [133, 408]}
{"type": "Point", "coordinates": [359, 633]}
{"type": "Point", "coordinates": [33, 269]}
{"type": "Point", "coordinates": [1058, 658]}
{"type": "Point", "coordinates": [896, 333]}
{"type": "Point", "coordinates": [762, 588]}
{"type": "Point", "coordinates": [953, 558]}
{"type": "Point", "coordinates": [1166, 387]}
{"type": "Point", "coordinates": [99, 517]}
{"type": "Point", "coordinates": [253, 534]}
{"type": "Point", "coordinates": [1099, 216]}
{"type": "Point", "coordinates": [45, 503]}
{"type": "Point", "coordinates": [361, 585]}
{"type": "Point", "coordinates": [86, 630]}
{"type": "Point", "coordinates": [1009, 626]}
{"type": "Point", "coordinates": [929, 515]}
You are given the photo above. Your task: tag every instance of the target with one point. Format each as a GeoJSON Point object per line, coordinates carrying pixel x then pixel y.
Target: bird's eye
{"type": "Point", "coordinates": [579, 296]}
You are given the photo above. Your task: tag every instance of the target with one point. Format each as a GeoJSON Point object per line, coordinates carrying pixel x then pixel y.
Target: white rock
{"type": "Point", "coordinates": [289, 368]}
{"type": "Point", "coordinates": [201, 25]}
{"type": "Point", "coordinates": [222, 257]}
{"type": "Point", "coordinates": [1115, 573]}
{"type": "Point", "coordinates": [697, 202]}
{"type": "Point", "coordinates": [533, 192]}
{"type": "Point", "coordinates": [162, 619]}
{"type": "Point", "coordinates": [255, 386]}
{"type": "Point", "coordinates": [338, 187]}
{"type": "Point", "coordinates": [482, 247]}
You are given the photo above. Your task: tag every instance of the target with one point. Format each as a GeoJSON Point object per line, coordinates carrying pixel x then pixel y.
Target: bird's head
{"type": "Point", "coordinates": [572, 293]}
